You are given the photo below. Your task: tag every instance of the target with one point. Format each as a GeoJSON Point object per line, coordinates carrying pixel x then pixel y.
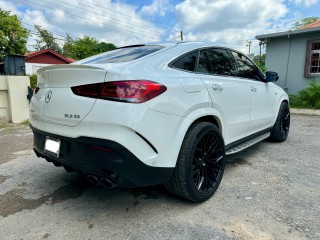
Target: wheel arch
{"type": "Point", "coordinates": [200, 115]}
{"type": "Point", "coordinates": [209, 118]}
{"type": "Point", "coordinates": [210, 115]}
{"type": "Point", "coordinates": [282, 99]}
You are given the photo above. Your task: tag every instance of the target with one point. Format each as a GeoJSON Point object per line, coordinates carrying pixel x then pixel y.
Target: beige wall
{"type": "Point", "coordinates": [14, 105]}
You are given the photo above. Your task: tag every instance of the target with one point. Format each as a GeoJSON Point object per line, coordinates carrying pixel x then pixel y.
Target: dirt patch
{"type": "Point", "coordinates": [3, 178]}
{"type": "Point", "coordinates": [14, 140]}
{"type": "Point", "coordinates": [12, 202]}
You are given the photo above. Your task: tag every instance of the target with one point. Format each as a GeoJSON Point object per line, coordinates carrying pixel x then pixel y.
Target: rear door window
{"type": "Point", "coordinates": [219, 61]}
{"type": "Point", "coordinates": [187, 62]}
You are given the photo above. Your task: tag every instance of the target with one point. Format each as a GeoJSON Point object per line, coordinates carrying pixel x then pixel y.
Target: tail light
{"type": "Point", "coordinates": [132, 91]}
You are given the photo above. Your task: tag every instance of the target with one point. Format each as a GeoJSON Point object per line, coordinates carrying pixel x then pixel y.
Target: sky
{"type": "Point", "coordinates": [125, 22]}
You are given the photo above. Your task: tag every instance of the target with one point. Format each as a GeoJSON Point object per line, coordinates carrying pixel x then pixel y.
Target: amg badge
{"type": "Point", "coordinates": [67, 115]}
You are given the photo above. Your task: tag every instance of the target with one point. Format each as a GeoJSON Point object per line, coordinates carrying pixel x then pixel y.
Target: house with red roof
{"type": "Point", "coordinates": [295, 55]}
{"type": "Point", "coordinates": [46, 57]}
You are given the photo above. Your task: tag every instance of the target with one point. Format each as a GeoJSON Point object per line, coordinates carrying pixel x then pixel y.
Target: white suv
{"type": "Point", "coordinates": [161, 113]}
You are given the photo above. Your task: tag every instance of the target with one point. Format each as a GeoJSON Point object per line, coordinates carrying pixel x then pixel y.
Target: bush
{"type": "Point", "coordinates": [33, 80]}
{"type": "Point", "coordinates": [261, 66]}
{"type": "Point", "coordinates": [307, 98]}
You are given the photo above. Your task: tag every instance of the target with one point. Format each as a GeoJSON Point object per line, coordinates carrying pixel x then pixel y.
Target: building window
{"type": "Point", "coordinates": [312, 65]}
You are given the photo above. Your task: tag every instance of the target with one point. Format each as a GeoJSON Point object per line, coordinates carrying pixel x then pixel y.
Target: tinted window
{"type": "Point", "coordinates": [187, 62]}
{"type": "Point", "coordinates": [204, 65]}
{"type": "Point", "coordinates": [122, 55]}
{"type": "Point", "coordinates": [220, 62]}
{"type": "Point", "coordinates": [246, 68]}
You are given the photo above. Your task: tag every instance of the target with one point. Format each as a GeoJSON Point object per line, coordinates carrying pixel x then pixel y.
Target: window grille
{"type": "Point", "coordinates": [312, 64]}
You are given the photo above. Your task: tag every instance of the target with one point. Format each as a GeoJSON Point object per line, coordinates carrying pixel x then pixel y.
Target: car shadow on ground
{"type": "Point", "coordinates": [80, 184]}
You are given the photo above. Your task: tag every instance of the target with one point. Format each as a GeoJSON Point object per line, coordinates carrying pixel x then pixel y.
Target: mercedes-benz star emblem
{"type": "Point", "coordinates": [48, 96]}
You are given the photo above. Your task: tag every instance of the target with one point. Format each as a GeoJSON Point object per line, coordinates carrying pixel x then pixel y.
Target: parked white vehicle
{"type": "Point", "coordinates": [159, 113]}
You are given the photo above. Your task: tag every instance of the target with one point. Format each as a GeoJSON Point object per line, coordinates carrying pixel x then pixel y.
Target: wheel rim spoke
{"type": "Point", "coordinates": [207, 165]}
{"type": "Point", "coordinates": [285, 123]}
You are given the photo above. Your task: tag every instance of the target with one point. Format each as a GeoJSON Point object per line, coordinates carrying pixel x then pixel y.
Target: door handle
{"type": "Point", "coordinates": [217, 87]}
{"type": "Point", "coordinates": [253, 89]}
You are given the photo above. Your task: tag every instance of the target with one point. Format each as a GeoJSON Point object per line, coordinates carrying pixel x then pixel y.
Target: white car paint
{"type": "Point", "coordinates": [163, 120]}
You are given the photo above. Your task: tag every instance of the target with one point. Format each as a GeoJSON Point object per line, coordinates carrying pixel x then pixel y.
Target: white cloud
{"type": "Point", "coordinates": [106, 20]}
{"type": "Point", "coordinates": [227, 21]}
{"type": "Point", "coordinates": [157, 8]}
{"type": "Point", "coordinates": [305, 3]}
{"type": "Point", "coordinates": [8, 6]}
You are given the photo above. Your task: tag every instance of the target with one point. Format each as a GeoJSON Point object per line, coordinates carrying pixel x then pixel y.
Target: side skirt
{"type": "Point", "coordinates": [247, 141]}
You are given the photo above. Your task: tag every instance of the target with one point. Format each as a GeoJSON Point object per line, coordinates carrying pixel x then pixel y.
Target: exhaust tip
{"type": "Point", "coordinates": [107, 183]}
{"type": "Point", "coordinates": [93, 179]}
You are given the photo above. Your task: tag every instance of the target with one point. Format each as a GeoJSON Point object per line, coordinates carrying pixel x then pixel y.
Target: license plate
{"type": "Point", "coordinates": [52, 146]}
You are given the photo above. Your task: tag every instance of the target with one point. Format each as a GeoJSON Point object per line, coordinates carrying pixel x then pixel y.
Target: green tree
{"type": "Point", "coordinates": [46, 40]}
{"type": "Point", "coordinates": [13, 37]}
{"type": "Point", "coordinates": [104, 47]}
{"type": "Point", "coordinates": [89, 46]}
{"type": "Point", "coordinates": [67, 48]}
{"type": "Point", "coordinates": [260, 61]}
{"type": "Point", "coordinates": [84, 47]}
{"type": "Point", "coordinates": [304, 21]}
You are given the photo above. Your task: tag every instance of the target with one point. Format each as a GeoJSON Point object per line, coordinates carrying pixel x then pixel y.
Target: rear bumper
{"type": "Point", "coordinates": [101, 158]}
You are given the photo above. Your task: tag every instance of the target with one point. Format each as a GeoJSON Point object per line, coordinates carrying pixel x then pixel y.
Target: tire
{"type": "Point", "coordinates": [281, 127]}
{"type": "Point", "coordinates": [200, 163]}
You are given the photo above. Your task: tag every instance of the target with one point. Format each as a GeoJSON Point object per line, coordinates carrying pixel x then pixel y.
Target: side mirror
{"type": "Point", "coordinates": [271, 76]}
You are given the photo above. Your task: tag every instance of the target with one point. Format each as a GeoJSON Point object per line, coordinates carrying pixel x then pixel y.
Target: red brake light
{"type": "Point", "coordinates": [133, 91]}
{"type": "Point", "coordinates": [91, 90]}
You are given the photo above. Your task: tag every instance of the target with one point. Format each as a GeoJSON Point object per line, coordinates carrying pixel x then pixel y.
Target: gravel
{"type": "Point", "coordinates": [270, 191]}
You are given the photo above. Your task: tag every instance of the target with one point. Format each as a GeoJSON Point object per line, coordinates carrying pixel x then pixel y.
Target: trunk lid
{"type": "Point", "coordinates": [55, 102]}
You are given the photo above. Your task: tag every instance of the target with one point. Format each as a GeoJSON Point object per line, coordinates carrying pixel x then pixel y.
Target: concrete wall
{"type": "Point", "coordinates": [4, 104]}
{"type": "Point", "coordinates": [287, 57]}
{"type": "Point", "coordinates": [14, 105]}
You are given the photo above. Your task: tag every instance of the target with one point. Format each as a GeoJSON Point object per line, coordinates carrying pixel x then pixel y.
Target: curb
{"type": "Point", "coordinates": [309, 112]}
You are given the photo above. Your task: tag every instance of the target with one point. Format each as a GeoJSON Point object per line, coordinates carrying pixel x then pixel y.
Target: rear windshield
{"type": "Point", "coordinates": [125, 54]}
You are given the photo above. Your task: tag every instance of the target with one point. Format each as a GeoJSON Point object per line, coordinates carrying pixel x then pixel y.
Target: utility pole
{"type": "Point", "coordinates": [260, 43]}
{"type": "Point", "coordinates": [249, 43]}
{"type": "Point", "coordinates": [181, 36]}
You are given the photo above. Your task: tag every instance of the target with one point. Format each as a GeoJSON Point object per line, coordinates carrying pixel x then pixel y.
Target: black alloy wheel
{"type": "Point", "coordinates": [285, 122]}
{"type": "Point", "coordinates": [281, 127]}
{"type": "Point", "coordinates": [207, 164]}
{"type": "Point", "coordinates": [200, 164]}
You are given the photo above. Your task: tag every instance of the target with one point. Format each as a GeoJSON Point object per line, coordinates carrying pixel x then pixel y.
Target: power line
{"type": "Point", "coordinates": [94, 20]}
{"type": "Point", "coordinates": [47, 31]}
{"type": "Point", "coordinates": [123, 13]}
{"type": "Point", "coordinates": [95, 14]}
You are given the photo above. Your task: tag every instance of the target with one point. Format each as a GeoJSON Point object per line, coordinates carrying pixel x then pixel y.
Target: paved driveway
{"type": "Point", "coordinates": [270, 191]}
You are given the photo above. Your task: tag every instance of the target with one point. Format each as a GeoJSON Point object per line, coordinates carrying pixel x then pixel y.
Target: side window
{"type": "Point", "coordinates": [246, 68]}
{"type": "Point", "coordinates": [216, 61]}
{"type": "Point", "coordinates": [187, 62]}
{"type": "Point", "coordinates": [204, 65]}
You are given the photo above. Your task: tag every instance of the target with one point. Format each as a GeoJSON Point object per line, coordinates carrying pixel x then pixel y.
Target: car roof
{"type": "Point", "coordinates": [191, 44]}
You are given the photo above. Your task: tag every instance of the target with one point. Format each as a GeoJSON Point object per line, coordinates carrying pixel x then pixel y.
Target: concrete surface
{"type": "Point", "coordinates": [270, 191]}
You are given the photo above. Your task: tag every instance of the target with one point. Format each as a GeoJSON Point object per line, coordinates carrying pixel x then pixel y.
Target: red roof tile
{"type": "Point", "coordinates": [33, 54]}
{"type": "Point", "coordinates": [312, 25]}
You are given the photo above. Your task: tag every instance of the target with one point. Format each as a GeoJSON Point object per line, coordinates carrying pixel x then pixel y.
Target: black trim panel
{"type": "Point", "coordinates": [102, 158]}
